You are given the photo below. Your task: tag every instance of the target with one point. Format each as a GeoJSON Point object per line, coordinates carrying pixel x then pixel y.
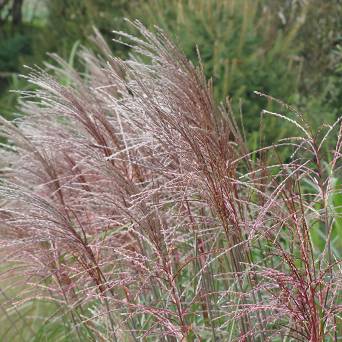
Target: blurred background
{"type": "Point", "coordinates": [289, 49]}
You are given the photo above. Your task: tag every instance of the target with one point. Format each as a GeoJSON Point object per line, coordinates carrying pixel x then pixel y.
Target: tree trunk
{"type": "Point", "coordinates": [16, 12]}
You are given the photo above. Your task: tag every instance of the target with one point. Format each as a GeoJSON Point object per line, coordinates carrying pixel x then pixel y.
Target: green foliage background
{"type": "Point", "coordinates": [287, 49]}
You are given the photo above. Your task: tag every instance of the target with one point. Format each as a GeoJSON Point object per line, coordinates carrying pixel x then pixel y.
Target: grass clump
{"type": "Point", "coordinates": [132, 202]}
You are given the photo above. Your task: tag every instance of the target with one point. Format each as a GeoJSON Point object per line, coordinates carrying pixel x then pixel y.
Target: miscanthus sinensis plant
{"type": "Point", "coordinates": [131, 201]}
